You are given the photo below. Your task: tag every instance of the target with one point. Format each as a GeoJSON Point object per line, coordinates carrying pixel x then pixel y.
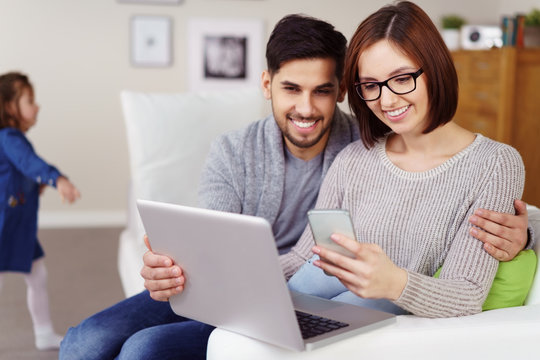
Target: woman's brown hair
{"type": "Point", "coordinates": [409, 28]}
{"type": "Point", "coordinates": [12, 85]}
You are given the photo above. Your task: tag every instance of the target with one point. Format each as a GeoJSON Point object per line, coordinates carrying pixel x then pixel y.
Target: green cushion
{"type": "Point", "coordinates": [512, 282]}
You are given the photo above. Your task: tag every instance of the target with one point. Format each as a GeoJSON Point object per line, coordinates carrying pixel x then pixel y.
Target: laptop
{"type": "Point", "coordinates": [234, 280]}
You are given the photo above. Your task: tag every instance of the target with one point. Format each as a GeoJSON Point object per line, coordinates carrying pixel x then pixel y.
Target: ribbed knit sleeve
{"type": "Point", "coordinates": [468, 271]}
{"type": "Point", "coordinates": [218, 186]}
{"type": "Point", "coordinates": [420, 219]}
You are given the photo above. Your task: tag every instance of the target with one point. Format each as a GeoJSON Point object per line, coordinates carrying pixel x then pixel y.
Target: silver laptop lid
{"type": "Point", "coordinates": [228, 283]}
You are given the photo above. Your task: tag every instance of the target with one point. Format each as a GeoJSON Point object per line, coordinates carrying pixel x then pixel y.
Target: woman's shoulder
{"type": "Point", "coordinates": [493, 148]}
{"type": "Point", "coordinates": [493, 154]}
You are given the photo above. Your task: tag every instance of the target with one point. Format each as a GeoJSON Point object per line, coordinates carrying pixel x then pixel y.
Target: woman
{"type": "Point", "coordinates": [425, 176]}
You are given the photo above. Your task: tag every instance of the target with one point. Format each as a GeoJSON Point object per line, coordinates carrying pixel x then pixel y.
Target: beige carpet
{"type": "Point", "coordinates": [83, 279]}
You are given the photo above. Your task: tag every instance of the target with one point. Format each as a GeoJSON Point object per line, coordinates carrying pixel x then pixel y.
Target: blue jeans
{"type": "Point", "coordinates": [136, 328]}
{"type": "Point", "coordinates": [311, 280]}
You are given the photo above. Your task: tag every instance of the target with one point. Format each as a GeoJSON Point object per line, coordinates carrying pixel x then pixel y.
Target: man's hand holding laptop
{"type": "Point", "coordinates": [162, 278]}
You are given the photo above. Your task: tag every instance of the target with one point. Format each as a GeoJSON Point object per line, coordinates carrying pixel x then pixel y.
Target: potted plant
{"type": "Point", "coordinates": [531, 32]}
{"type": "Point", "coordinates": [451, 25]}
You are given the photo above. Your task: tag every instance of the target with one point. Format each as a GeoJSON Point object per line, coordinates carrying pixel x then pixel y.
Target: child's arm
{"type": "Point", "coordinates": [21, 154]}
{"type": "Point", "coordinates": [67, 190]}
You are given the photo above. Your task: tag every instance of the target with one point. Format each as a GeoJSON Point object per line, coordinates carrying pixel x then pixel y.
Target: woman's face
{"type": "Point", "coordinates": [404, 114]}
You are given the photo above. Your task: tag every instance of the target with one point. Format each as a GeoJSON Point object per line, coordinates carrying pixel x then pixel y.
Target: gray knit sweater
{"type": "Point", "coordinates": [420, 219]}
{"type": "Point", "coordinates": [245, 169]}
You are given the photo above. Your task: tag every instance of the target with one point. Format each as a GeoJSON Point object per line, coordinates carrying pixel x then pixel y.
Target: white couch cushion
{"type": "Point", "coordinates": [509, 333]}
{"type": "Point", "coordinates": [168, 140]}
{"type": "Point", "coordinates": [169, 136]}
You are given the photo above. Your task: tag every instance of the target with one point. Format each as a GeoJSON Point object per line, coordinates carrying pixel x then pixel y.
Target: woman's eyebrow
{"type": "Point", "coordinates": [398, 71]}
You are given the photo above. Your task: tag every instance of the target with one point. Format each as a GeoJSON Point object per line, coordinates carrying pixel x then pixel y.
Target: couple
{"type": "Point", "coordinates": [413, 181]}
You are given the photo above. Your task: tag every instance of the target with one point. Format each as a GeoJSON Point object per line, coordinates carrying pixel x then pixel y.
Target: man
{"type": "Point", "coordinates": [273, 169]}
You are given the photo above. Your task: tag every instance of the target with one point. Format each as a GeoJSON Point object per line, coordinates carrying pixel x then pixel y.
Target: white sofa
{"type": "Point", "coordinates": [510, 333]}
{"type": "Point", "coordinates": [168, 139]}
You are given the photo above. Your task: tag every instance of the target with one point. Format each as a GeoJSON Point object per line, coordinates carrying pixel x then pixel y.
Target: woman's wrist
{"type": "Point", "coordinates": [399, 282]}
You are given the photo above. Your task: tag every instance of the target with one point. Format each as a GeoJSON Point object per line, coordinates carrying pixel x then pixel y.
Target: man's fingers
{"type": "Point", "coordinates": [496, 253]}
{"type": "Point", "coordinates": [147, 242]}
{"type": "Point", "coordinates": [497, 247]}
{"type": "Point", "coordinates": [164, 295]}
{"type": "Point", "coordinates": [153, 260]}
{"type": "Point", "coordinates": [162, 285]}
{"type": "Point", "coordinates": [159, 273]}
{"type": "Point", "coordinates": [492, 226]}
{"type": "Point", "coordinates": [521, 207]}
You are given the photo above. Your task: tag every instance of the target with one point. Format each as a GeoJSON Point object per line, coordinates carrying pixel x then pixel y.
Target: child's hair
{"type": "Point", "coordinates": [12, 85]}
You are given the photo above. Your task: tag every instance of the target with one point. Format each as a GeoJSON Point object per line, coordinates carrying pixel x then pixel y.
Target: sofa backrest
{"type": "Point", "coordinates": [169, 136]}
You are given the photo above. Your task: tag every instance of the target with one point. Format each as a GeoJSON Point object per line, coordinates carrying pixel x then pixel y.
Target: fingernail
{"type": "Point", "coordinates": [176, 272]}
{"type": "Point", "coordinates": [473, 219]}
{"type": "Point", "coordinates": [168, 262]}
{"type": "Point", "coordinates": [334, 237]}
{"type": "Point", "coordinates": [479, 212]}
{"type": "Point", "coordinates": [474, 231]}
{"type": "Point", "coordinates": [316, 250]}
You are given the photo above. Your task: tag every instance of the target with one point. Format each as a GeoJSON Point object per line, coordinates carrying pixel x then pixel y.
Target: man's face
{"type": "Point", "coordinates": [304, 94]}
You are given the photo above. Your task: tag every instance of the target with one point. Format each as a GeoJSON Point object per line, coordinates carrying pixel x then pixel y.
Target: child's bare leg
{"type": "Point", "coordinates": [38, 305]}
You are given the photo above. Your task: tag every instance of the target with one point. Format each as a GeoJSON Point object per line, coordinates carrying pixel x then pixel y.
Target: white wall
{"type": "Point", "coordinates": [76, 53]}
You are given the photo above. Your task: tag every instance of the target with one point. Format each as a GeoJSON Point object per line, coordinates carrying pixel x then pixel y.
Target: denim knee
{"type": "Point", "coordinates": [89, 341]}
{"type": "Point", "coordinates": [185, 340]}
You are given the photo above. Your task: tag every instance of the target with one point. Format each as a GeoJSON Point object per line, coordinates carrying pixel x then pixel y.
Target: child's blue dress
{"type": "Point", "coordinates": [21, 174]}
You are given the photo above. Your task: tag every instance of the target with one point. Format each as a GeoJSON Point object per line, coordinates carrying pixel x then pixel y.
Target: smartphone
{"type": "Point", "coordinates": [325, 222]}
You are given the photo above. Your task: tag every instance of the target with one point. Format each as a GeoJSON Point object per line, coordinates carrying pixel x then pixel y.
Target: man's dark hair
{"type": "Point", "coordinates": [299, 36]}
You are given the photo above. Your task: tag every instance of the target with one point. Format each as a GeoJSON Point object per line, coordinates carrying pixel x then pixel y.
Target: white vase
{"type": "Point", "coordinates": [451, 38]}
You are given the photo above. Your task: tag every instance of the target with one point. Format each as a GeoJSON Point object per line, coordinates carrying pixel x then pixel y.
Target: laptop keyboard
{"type": "Point", "coordinates": [312, 325]}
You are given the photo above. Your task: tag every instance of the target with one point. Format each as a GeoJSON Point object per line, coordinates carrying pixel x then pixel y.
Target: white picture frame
{"type": "Point", "coordinates": [151, 41]}
{"type": "Point", "coordinates": [224, 53]}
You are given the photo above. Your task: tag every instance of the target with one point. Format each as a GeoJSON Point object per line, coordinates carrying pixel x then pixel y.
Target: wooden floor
{"type": "Point", "coordinates": [82, 279]}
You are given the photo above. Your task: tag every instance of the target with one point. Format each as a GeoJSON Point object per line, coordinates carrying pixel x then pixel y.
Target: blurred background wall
{"type": "Point", "coordinates": [76, 53]}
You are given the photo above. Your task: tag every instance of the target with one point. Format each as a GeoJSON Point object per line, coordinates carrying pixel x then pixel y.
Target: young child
{"type": "Point", "coordinates": [23, 176]}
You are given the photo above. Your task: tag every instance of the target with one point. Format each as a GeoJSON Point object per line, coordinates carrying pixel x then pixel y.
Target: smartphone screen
{"type": "Point", "coordinates": [325, 222]}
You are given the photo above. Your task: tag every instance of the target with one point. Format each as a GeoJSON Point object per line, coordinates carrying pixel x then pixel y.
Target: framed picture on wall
{"type": "Point", "coordinates": [224, 53]}
{"type": "Point", "coordinates": [151, 41]}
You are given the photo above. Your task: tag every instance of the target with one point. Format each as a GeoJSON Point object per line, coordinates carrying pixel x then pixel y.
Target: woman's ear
{"type": "Point", "coordinates": [266, 84]}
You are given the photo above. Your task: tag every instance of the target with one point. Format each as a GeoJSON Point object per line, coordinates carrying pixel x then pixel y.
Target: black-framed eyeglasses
{"type": "Point", "coordinates": [400, 85]}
